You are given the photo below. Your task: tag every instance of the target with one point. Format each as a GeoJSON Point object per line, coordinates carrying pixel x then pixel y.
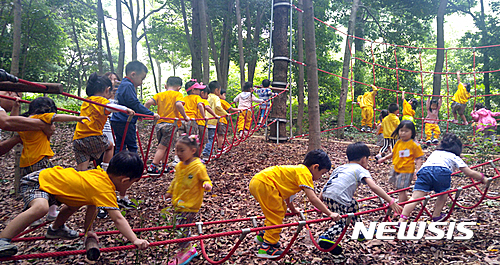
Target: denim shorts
{"type": "Point", "coordinates": [437, 179]}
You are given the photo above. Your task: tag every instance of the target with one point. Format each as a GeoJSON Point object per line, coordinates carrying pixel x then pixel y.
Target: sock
{"type": "Point", "coordinates": [53, 210]}
{"type": "Point", "coordinates": [104, 166]}
{"type": "Point", "coordinates": [5, 239]}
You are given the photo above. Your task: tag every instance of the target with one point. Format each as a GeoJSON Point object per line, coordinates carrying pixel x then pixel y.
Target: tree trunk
{"type": "Point", "coordinates": [300, 82]}
{"type": "Point", "coordinates": [158, 65]}
{"type": "Point", "coordinates": [121, 39]}
{"type": "Point", "coordinates": [280, 70]}
{"type": "Point", "coordinates": [359, 48]}
{"type": "Point", "coordinates": [240, 44]}
{"type": "Point", "coordinates": [188, 38]}
{"type": "Point", "coordinates": [204, 41]}
{"type": "Point", "coordinates": [100, 18]}
{"type": "Point", "coordinates": [145, 34]}
{"type": "Point", "coordinates": [82, 67]}
{"type": "Point", "coordinates": [16, 45]}
{"type": "Point", "coordinates": [486, 57]}
{"type": "Point", "coordinates": [134, 25]}
{"type": "Point", "coordinates": [436, 83]}
{"type": "Point", "coordinates": [345, 69]}
{"type": "Point", "coordinates": [312, 77]}
{"type": "Point", "coordinates": [196, 71]}
{"type": "Point", "coordinates": [225, 45]}
{"type": "Point", "coordinates": [108, 47]}
{"type": "Point", "coordinates": [215, 53]}
{"type": "Point", "coordinates": [255, 44]}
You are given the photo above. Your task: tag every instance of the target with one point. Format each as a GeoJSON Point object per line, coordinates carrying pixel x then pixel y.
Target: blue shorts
{"type": "Point", "coordinates": [263, 111]}
{"type": "Point", "coordinates": [437, 179]}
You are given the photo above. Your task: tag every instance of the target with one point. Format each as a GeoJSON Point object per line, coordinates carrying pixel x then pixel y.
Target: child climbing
{"type": "Point", "coordinates": [459, 100]}
{"type": "Point", "coordinates": [435, 175]}
{"type": "Point", "coordinates": [245, 100]}
{"type": "Point", "coordinates": [485, 122]}
{"type": "Point", "coordinates": [186, 190]}
{"type": "Point", "coordinates": [89, 142]}
{"type": "Point", "coordinates": [75, 189]}
{"type": "Point", "coordinates": [409, 108]}
{"type": "Point", "coordinates": [366, 102]}
{"type": "Point", "coordinates": [338, 194]}
{"type": "Point", "coordinates": [170, 105]}
{"type": "Point", "coordinates": [405, 154]}
{"type": "Point", "coordinates": [216, 105]}
{"type": "Point", "coordinates": [432, 120]}
{"type": "Point", "coordinates": [273, 187]}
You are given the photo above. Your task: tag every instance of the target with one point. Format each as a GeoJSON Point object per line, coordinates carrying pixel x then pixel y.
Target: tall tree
{"type": "Point", "coordinates": [346, 67]}
{"type": "Point", "coordinates": [312, 77]}
{"type": "Point", "coordinates": [436, 84]}
{"type": "Point", "coordinates": [240, 44]}
{"type": "Point", "coordinates": [204, 41]}
{"type": "Point", "coordinates": [300, 81]}
{"type": "Point", "coordinates": [121, 39]}
{"type": "Point", "coordinates": [100, 19]}
{"type": "Point", "coordinates": [16, 46]}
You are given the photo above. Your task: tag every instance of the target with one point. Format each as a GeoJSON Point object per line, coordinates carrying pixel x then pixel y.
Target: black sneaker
{"type": "Point", "coordinates": [325, 243]}
{"type": "Point", "coordinates": [62, 232]}
{"type": "Point", "coordinates": [7, 249]}
{"type": "Point", "coordinates": [268, 252]}
{"type": "Point", "coordinates": [126, 203]}
{"type": "Point", "coordinates": [101, 214]}
{"type": "Point", "coordinates": [153, 170]}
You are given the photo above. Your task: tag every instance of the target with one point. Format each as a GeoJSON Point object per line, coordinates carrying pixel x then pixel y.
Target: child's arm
{"type": "Point", "coordinates": [182, 111]}
{"type": "Point", "coordinates": [291, 206]}
{"type": "Point", "coordinates": [382, 194]}
{"type": "Point", "coordinates": [428, 103]}
{"type": "Point", "coordinates": [149, 103]}
{"type": "Point", "coordinates": [8, 144]}
{"type": "Point", "coordinates": [124, 228]}
{"type": "Point", "coordinates": [474, 174]}
{"type": "Point", "coordinates": [385, 158]}
{"type": "Point", "coordinates": [256, 99]}
{"type": "Point", "coordinates": [418, 164]}
{"type": "Point", "coordinates": [458, 76]}
{"type": "Point", "coordinates": [201, 109]}
{"type": "Point", "coordinates": [211, 111]}
{"type": "Point", "coordinates": [440, 102]}
{"type": "Point", "coordinates": [318, 204]}
{"type": "Point", "coordinates": [15, 108]}
{"type": "Point", "coordinates": [403, 95]}
{"type": "Point", "coordinates": [68, 118]}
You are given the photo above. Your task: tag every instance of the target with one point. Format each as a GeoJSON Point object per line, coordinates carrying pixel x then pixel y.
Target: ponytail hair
{"type": "Point", "coordinates": [450, 143]}
{"type": "Point", "coordinates": [97, 84]}
{"type": "Point", "coordinates": [41, 105]}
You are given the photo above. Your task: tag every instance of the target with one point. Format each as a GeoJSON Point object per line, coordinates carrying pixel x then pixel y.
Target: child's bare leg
{"type": "Point", "coordinates": [38, 208]}
{"type": "Point", "coordinates": [438, 207]}
{"type": "Point", "coordinates": [83, 166]}
{"type": "Point", "coordinates": [160, 154]}
{"type": "Point", "coordinates": [403, 196]}
{"type": "Point", "coordinates": [463, 118]}
{"type": "Point", "coordinates": [108, 154]}
{"type": "Point", "coordinates": [63, 216]}
{"type": "Point", "coordinates": [220, 140]}
{"type": "Point", "coordinates": [455, 116]}
{"type": "Point", "coordinates": [411, 206]}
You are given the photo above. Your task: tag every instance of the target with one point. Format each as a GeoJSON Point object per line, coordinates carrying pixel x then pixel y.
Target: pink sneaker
{"type": "Point", "coordinates": [184, 257]}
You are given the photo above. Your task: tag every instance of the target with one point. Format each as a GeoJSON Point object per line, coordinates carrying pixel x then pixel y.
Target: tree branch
{"type": "Point", "coordinates": [374, 19]}
{"type": "Point", "coordinates": [460, 9]}
{"type": "Point", "coordinates": [152, 12]}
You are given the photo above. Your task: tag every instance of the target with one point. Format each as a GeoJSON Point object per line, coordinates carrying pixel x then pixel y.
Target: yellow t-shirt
{"type": "Point", "coordinates": [367, 100]}
{"type": "Point", "coordinates": [407, 109]}
{"type": "Point", "coordinates": [98, 116]}
{"type": "Point", "coordinates": [461, 96]}
{"type": "Point", "coordinates": [287, 179]}
{"type": "Point", "coordinates": [225, 106]}
{"type": "Point", "coordinates": [390, 123]}
{"type": "Point", "coordinates": [79, 188]}
{"type": "Point", "coordinates": [216, 105]}
{"type": "Point", "coordinates": [166, 105]}
{"type": "Point", "coordinates": [404, 155]}
{"type": "Point", "coordinates": [187, 186]}
{"type": "Point", "coordinates": [36, 145]}
{"type": "Point", "coordinates": [191, 107]}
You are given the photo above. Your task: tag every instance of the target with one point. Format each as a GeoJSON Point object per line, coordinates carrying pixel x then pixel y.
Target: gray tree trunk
{"type": "Point", "coordinates": [196, 60]}
{"type": "Point", "coordinates": [300, 81]}
{"type": "Point", "coordinates": [240, 44]}
{"type": "Point", "coordinates": [486, 57]}
{"type": "Point", "coordinates": [225, 45]}
{"type": "Point", "coordinates": [204, 41]}
{"type": "Point", "coordinates": [108, 47]}
{"type": "Point", "coordinates": [312, 77]}
{"type": "Point", "coordinates": [16, 45]}
{"type": "Point", "coordinates": [121, 39]}
{"type": "Point", "coordinates": [254, 44]}
{"type": "Point", "coordinates": [345, 69]}
{"type": "Point", "coordinates": [158, 65]}
{"type": "Point", "coordinates": [436, 83]}
{"type": "Point", "coordinates": [100, 18]}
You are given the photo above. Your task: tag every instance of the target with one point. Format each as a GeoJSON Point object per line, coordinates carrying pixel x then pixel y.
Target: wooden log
{"type": "Point", "coordinates": [51, 88]}
{"type": "Point", "coordinates": [92, 248]}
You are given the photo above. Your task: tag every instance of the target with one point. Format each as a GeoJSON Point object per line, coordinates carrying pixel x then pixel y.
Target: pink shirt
{"type": "Point", "coordinates": [484, 118]}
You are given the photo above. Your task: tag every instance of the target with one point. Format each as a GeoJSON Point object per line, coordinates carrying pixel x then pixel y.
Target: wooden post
{"type": "Point", "coordinates": [51, 88]}
{"type": "Point", "coordinates": [92, 248]}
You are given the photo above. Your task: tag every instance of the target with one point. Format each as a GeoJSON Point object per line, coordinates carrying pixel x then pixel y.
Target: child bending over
{"type": "Point", "coordinates": [75, 189]}
{"type": "Point", "coordinates": [405, 154]}
{"type": "Point", "coordinates": [389, 124]}
{"type": "Point", "coordinates": [485, 121]}
{"type": "Point", "coordinates": [273, 187]}
{"type": "Point", "coordinates": [338, 194]}
{"type": "Point", "coordinates": [186, 190]}
{"type": "Point", "coordinates": [435, 175]}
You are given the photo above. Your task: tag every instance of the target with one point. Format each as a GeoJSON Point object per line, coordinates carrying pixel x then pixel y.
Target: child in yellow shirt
{"type": "Point", "coordinates": [389, 124]}
{"type": "Point", "coordinates": [366, 102]}
{"type": "Point", "coordinates": [75, 189]}
{"type": "Point", "coordinates": [380, 132]}
{"type": "Point", "coordinates": [273, 187]}
{"type": "Point", "coordinates": [459, 100]}
{"type": "Point", "coordinates": [36, 145]}
{"type": "Point", "coordinates": [186, 190]}
{"type": "Point", "coordinates": [409, 108]}
{"type": "Point", "coordinates": [405, 154]}
{"type": "Point", "coordinates": [216, 105]}
{"type": "Point", "coordinates": [88, 140]}
{"type": "Point", "coordinates": [170, 105]}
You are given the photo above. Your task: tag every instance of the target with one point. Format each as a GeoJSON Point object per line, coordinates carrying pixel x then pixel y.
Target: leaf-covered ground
{"type": "Point", "coordinates": [230, 199]}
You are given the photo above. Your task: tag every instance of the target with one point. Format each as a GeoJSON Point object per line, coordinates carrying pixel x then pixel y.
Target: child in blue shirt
{"type": "Point", "coordinates": [265, 93]}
